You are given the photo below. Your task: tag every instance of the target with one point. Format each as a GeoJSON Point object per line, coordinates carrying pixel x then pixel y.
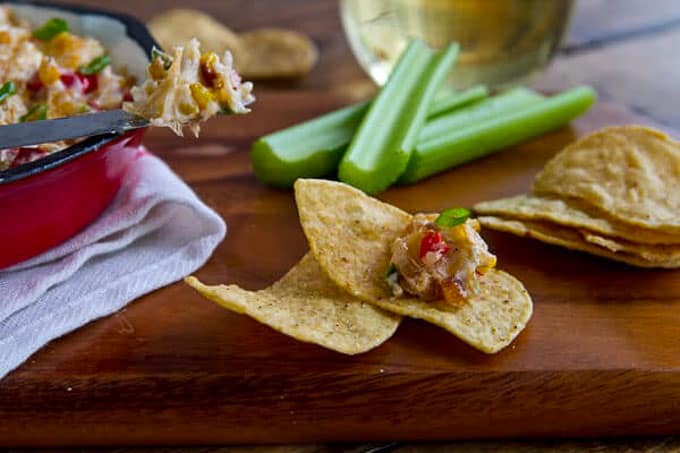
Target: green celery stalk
{"type": "Point", "coordinates": [493, 134]}
{"type": "Point", "coordinates": [453, 100]}
{"type": "Point", "coordinates": [507, 102]}
{"type": "Point", "coordinates": [381, 148]}
{"type": "Point", "coordinates": [307, 150]}
{"type": "Point", "coordinates": [314, 148]}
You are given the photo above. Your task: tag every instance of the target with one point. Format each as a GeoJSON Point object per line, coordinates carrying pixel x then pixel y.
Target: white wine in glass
{"type": "Point", "coordinates": [503, 42]}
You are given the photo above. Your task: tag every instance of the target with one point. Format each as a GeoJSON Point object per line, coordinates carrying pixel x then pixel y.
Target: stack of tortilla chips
{"type": "Point", "coordinates": [614, 193]}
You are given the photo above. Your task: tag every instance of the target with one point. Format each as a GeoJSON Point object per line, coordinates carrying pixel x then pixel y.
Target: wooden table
{"type": "Point", "coordinates": [104, 356]}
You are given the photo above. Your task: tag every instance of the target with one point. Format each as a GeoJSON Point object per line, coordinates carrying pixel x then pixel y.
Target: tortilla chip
{"type": "Point", "coordinates": [630, 172]}
{"type": "Point", "coordinates": [307, 306]}
{"type": "Point", "coordinates": [655, 253]}
{"type": "Point", "coordinates": [274, 52]}
{"type": "Point", "coordinates": [177, 26]}
{"type": "Point", "coordinates": [350, 235]}
{"type": "Point", "coordinates": [571, 213]}
{"type": "Point", "coordinates": [488, 321]}
{"type": "Point", "coordinates": [571, 239]}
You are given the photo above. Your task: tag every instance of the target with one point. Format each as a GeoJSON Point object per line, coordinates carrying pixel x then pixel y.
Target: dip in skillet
{"type": "Point", "coordinates": [49, 72]}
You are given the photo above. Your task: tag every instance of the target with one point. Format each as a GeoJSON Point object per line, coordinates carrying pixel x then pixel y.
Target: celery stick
{"type": "Point", "coordinates": [453, 100]}
{"type": "Point", "coordinates": [306, 150]}
{"type": "Point", "coordinates": [314, 148]}
{"type": "Point", "coordinates": [493, 134]}
{"type": "Point", "coordinates": [507, 102]}
{"type": "Point", "coordinates": [382, 145]}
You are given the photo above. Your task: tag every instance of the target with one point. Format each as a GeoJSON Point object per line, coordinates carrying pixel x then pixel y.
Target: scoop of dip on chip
{"type": "Point", "coordinates": [439, 257]}
{"type": "Point", "coordinates": [189, 87]}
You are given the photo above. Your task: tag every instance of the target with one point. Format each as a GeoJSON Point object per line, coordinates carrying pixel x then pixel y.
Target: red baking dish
{"type": "Point", "coordinates": [47, 201]}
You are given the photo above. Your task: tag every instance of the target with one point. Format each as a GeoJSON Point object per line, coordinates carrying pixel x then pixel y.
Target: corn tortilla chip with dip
{"type": "Point", "coordinates": [350, 235]}
{"type": "Point", "coordinates": [309, 307]}
{"type": "Point", "coordinates": [631, 173]}
{"type": "Point", "coordinates": [572, 239]}
{"type": "Point", "coordinates": [571, 213]}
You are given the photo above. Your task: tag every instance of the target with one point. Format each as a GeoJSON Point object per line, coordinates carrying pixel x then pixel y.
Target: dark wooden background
{"type": "Point", "coordinates": [626, 49]}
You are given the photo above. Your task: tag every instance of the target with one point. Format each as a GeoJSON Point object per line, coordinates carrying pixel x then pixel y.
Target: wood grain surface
{"type": "Point", "coordinates": [599, 358]}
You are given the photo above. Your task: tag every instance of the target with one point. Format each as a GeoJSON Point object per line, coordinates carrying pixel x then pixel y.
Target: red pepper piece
{"type": "Point", "coordinates": [25, 155]}
{"type": "Point", "coordinates": [68, 79]}
{"type": "Point", "coordinates": [432, 241]}
{"type": "Point", "coordinates": [209, 76]}
{"type": "Point", "coordinates": [34, 83]}
{"type": "Point", "coordinates": [89, 83]}
{"type": "Point", "coordinates": [127, 96]}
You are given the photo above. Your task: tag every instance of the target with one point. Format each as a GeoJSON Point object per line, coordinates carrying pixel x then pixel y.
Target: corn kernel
{"type": "Point", "coordinates": [208, 59]}
{"type": "Point", "coordinates": [186, 108]}
{"type": "Point", "coordinates": [201, 95]}
{"type": "Point", "coordinates": [5, 37]}
{"type": "Point", "coordinates": [66, 48]}
{"type": "Point", "coordinates": [223, 96]}
{"type": "Point", "coordinates": [48, 72]}
{"type": "Point", "coordinates": [210, 76]}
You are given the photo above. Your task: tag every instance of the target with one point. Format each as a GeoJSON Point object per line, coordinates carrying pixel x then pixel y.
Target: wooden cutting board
{"type": "Point", "coordinates": [600, 357]}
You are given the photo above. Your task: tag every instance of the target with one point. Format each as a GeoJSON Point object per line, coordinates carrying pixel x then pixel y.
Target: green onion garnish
{"type": "Point", "coordinates": [35, 113]}
{"type": "Point", "coordinates": [392, 278]}
{"type": "Point", "coordinates": [165, 58]}
{"type": "Point", "coordinates": [452, 217]}
{"type": "Point", "coordinates": [7, 90]}
{"type": "Point", "coordinates": [95, 65]}
{"type": "Point", "coordinates": [50, 29]}
{"type": "Point", "coordinates": [392, 269]}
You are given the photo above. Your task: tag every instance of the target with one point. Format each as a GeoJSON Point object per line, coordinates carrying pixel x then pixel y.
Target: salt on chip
{"type": "Point", "coordinates": [275, 52]}
{"type": "Point", "coordinates": [178, 26]}
{"type": "Point", "coordinates": [630, 172]}
{"type": "Point", "coordinates": [350, 235]}
{"type": "Point", "coordinates": [633, 254]}
{"type": "Point", "coordinates": [308, 306]}
{"type": "Point", "coordinates": [571, 213]}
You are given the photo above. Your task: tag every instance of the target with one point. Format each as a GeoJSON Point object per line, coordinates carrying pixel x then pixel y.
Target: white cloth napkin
{"type": "Point", "coordinates": [155, 232]}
